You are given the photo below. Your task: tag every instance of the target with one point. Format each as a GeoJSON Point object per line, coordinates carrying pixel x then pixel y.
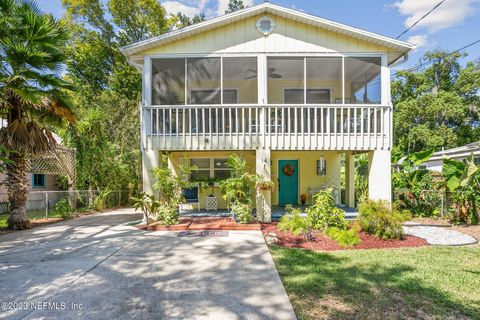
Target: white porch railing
{"type": "Point", "coordinates": [277, 127]}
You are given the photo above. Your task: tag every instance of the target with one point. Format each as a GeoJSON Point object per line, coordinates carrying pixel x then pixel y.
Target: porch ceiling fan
{"type": "Point", "coordinates": [271, 74]}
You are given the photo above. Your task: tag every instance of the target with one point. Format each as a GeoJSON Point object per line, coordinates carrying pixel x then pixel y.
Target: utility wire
{"type": "Point", "coordinates": [423, 17]}
{"type": "Point", "coordinates": [422, 64]}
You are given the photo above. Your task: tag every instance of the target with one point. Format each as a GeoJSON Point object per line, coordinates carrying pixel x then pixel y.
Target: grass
{"type": "Point", "coordinates": [31, 214]}
{"type": "Point", "coordinates": [426, 283]}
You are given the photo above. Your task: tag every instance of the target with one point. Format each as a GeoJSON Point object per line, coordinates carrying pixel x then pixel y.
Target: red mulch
{"type": "Point", "coordinates": [202, 223]}
{"type": "Point", "coordinates": [323, 243]}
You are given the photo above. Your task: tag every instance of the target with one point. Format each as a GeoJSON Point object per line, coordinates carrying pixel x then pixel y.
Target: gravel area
{"type": "Point", "coordinates": [439, 235]}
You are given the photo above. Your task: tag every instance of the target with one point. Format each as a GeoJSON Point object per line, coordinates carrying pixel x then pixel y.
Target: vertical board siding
{"type": "Point", "coordinates": [288, 36]}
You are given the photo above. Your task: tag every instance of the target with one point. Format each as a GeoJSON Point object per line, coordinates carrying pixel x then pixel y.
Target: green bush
{"type": "Point", "coordinates": [323, 214]}
{"type": "Point", "coordinates": [243, 211]}
{"type": "Point", "coordinates": [345, 238]}
{"type": "Point", "coordinates": [168, 215]}
{"type": "Point", "coordinates": [376, 218]}
{"type": "Point", "coordinates": [63, 209]}
{"type": "Point", "coordinates": [292, 221]}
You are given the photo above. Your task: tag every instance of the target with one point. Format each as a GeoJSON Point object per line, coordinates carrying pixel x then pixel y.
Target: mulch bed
{"type": "Point", "coordinates": [323, 243]}
{"type": "Point", "coordinates": [202, 223]}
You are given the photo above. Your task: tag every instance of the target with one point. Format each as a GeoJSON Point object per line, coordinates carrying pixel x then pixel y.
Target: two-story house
{"type": "Point", "coordinates": [288, 91]}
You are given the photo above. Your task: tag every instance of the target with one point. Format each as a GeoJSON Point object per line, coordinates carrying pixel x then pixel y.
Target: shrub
{"type": "Point", "coordinates": [292, 221]}
{"type": "Point", "coordinates": [323, 214]}
{"type": "Point", "coordinates": [100, 201]}
{"type": "Point", "coordinates": [168, 215]}
{"type": "Point", "coordinates": [63, 208]}
{"type": "Point", "coordinates": [243, 211]}
{"type": "Point", "coordinates": [345, 238]}
{"type": "Point", "coordinates": [376, 218]}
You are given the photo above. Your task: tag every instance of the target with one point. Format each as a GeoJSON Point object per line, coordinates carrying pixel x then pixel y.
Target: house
{"type": "Point", "coordinates": [435, 162]}
{"type": "Point", "coordinates": [290, 92]}
{"type": "Point", "coordinates": [36, 181]}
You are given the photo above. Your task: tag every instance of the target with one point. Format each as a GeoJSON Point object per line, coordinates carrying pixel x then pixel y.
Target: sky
{"type": "Point", "coordinates": [451, 26]}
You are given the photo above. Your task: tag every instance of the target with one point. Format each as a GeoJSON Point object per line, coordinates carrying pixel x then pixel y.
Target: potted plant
{"type": "Point", "coordinates": [303, 198]}
{"type": "Point", "coordinates": [263, 184]}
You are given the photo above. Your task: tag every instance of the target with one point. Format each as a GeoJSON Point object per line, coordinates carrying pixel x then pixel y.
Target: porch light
{"type": "Point", "coordinates": [321, 166]}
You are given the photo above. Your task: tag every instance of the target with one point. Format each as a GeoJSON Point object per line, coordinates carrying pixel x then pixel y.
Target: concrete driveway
{"type": "Point", "coordinates": [97, 267]}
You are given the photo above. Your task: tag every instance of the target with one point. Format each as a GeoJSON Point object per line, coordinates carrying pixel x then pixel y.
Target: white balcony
{"type": "Point", "coordinates": [276, 127]}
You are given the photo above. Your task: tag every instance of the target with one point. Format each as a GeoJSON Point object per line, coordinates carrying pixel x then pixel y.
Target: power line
{"type": "Point", "coordinates": [423, 17]}
{"type": "Point", "coordinates": [422, 64]}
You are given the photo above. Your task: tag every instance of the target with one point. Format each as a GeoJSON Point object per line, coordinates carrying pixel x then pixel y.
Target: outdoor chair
{"type": "Point", "coordinates": [191, 197]}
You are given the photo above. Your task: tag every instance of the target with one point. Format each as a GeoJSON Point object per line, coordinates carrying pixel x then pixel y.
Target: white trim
{"type": "Point", "coordinates": [211, 168]}
{"type": "Point", "coordinates": [401, 46]}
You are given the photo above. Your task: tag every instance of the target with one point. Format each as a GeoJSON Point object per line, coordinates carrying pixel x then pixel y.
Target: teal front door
{"type": "Point", "coordinates": [287, 182]}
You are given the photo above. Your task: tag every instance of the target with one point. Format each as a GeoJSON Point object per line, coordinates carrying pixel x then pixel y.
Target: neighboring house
{"type": "Point", "coordinates": [460, 154]}
{"type": "Point", "coordinates": [288, 91]}
{"type": "Point", "coordinates": [36, 181]}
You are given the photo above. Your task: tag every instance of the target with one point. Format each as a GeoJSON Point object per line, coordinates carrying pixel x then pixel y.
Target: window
{"type": "Point", "coordinates": [209, 168]}
{"type": "Point", "coordinates": [476, 161]}
{"type": "Point", "coordinates": [295, 96]}
{"type": "Point", "coordinates": [362, 80]}
{"type": "Point", "coordinates": [168, 81]}
{"type": "Point", "coordinates": [203, 75]}
{"type": "Point", "coordinates": [240, 73]}
{"type": "Point", "coordinates": [38, 180]}
{"type": "Point", "coordinates": [284, 73]}
{"type": "Point", "coordinates": [324, 73]}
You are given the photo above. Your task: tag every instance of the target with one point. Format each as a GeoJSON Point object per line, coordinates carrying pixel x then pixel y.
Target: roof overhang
{"type": "Point", "coordinates": [400, 48]}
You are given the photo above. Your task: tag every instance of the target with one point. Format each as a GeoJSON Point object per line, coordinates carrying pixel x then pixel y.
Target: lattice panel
{"type": "Point", "coordinates": [61, 161]}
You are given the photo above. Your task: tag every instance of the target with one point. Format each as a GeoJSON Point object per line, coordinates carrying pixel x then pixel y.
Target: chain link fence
{"type": "Point", "coordinates": [44, 204]}
{"type": "Point", "coordinates": [427, 203]}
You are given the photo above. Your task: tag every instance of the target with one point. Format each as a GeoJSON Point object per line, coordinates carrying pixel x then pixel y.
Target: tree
{"type": "Point", "coordinates": [438, 106]}
{"type": "Point", "coordinates": [463, 180]}
{"type": "Point", "coordinates": [109, 89]}
{"type": "Point", "coordinates": [182, 20]}
{"type": "Point", "coordinates": [32, 93]}
{"type": "Point", "coordinates": [234, 5]}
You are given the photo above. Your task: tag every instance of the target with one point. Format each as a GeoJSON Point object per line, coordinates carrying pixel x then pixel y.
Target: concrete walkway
{"type": "Point", "coordinates": [115, 271]}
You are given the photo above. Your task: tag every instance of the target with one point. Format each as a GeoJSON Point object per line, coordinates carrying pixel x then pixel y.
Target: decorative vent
{"type": "Point", "coordinates": [265, 25]}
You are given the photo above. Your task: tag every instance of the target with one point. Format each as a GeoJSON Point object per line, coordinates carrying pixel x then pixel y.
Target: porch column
{"type": "Point", "coordinates": [263, 197]}
{"type": "Point", "coordinates": [350, 179]}
{"type": "Point", "coordinates": [150, 160]}
{"type": "Point", "coordinates": [380, 175]}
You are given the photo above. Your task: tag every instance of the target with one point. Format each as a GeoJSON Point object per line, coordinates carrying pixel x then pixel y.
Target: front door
{"type": "Point", "coordinates": [287, 182]}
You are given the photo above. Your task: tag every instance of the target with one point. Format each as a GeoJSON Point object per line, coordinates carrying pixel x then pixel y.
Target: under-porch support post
{"type": "Point", "coordinates": [151, 159]}
{"type": "Point", "coordinates": [350, 179]}
{"type": "Point", "coordinates": [380, 175]}
{"type": "Point", "coordinates": [263, 197]}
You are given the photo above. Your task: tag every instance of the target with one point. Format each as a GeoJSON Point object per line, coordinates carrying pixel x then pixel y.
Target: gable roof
{"type": "Point", "coordinates": [399, 46]}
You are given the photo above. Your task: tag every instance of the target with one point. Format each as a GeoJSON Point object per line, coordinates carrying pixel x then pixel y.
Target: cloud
{"type": "Point", "coordinates": [222, 5]}
{"type": "Point", "coordinates": [187, 7]}
{"type": "Point", "coordinates": [420, 40]}
{"type": "Point", "coordinates": [450, 13]}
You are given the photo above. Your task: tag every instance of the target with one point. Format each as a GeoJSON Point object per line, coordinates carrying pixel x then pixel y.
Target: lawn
{"type": "Point", "coordinates": [425, 283]}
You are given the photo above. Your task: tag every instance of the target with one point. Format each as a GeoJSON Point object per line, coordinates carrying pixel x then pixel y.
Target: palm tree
{"type": "Point", "coordinates": [33, 95]}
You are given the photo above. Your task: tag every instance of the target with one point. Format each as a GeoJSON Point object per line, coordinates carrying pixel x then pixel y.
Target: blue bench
{"type": "Point", "coordinates": [191, 197]}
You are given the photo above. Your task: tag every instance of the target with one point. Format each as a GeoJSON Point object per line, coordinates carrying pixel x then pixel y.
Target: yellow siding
{"type": "Point", "coordinates": [307, 166]}
{"type": "Point", "coordinates": [176, 157]}
{"type": "Point", "coordinates": [288, 36]}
